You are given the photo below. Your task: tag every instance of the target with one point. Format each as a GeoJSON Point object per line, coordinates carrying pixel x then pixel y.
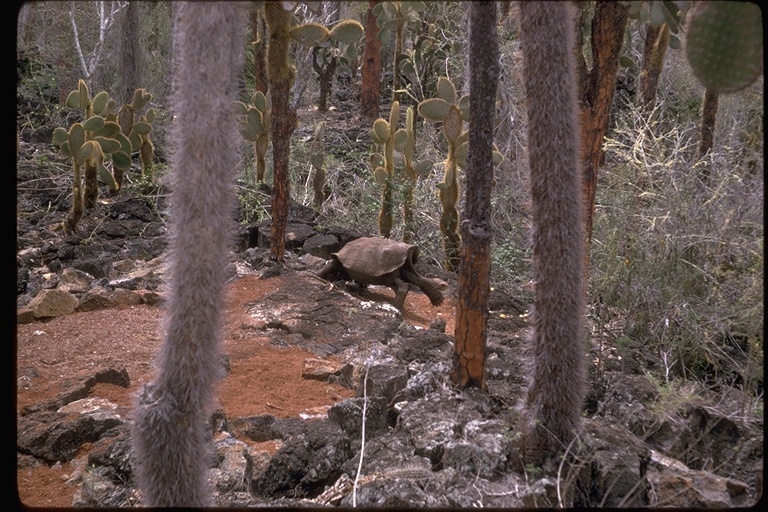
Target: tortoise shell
{"type": "Point", "coordinates": [374, 256]}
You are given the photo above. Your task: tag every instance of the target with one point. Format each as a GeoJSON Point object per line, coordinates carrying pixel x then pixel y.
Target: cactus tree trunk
{"type": "Point", "coordinates": [448, 194]}
{"type": "Point", "coordinates": [170, 439]}
{"type": "Point", "coordinates": [608, 27]}
{"type": "Point", "coordinates": [70, 222]}
{"type": "Point", "coordinates": [475, 267]}
{"type": "Point", "coordinates": [371, 69]}
{"type": "Point", "coordinates": [656, 44]}
{"type": "Point", "coordinates": [91, 194]}
{"type": "Point", "coordinates": [281, 77]}
{"type": "Point", "coordinates": [409, 226]}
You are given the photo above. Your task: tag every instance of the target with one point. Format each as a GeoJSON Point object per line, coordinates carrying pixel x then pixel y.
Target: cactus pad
{"type": "Point", "coordinates": [347, 31]}
{"type": "Point", "coordinates": [724, 44]}
{"type": "Point", "coordinates": [434, 109]}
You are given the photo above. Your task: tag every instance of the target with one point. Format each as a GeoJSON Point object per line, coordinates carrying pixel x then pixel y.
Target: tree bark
{"type": "Point", "coordinates": [608, 27]}
{"type": "Point", "coordinates": [281, 77]}
{"type": "Point", "coordinates": [371, 69]}
{"type": "Point", "coordinates": [656, 44]}
{"type": "Point", "coordinates": [707, 130]}
{"type": "Point", "coordinates": [131, 59]}
{"type": "Point", "coordinates": [475, 253]}
{"type": "Point", "coordinates": [259, 55]}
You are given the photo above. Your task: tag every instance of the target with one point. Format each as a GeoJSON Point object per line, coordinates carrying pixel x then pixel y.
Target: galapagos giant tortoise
{"type": "Point", "coordinates": [383, 262]}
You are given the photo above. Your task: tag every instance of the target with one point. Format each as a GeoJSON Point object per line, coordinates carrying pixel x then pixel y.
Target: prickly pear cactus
{"type": "Point", "coordinates": [383, 135]}
{"type": "Point", "coordinates": [87, 144]}
{"type": "Point", "coordinates": [724, 44]}
{"type": "Point", "coordinates": [327, 55]}
{"type": "Point", "coordinates": [405, 143]}
{"type": "Point", "coordinates": [394, 16]}
{"type": "Point", "coordinates": [452, 112]}
{"type": "Point", "coordinates": [254, 121]}
{"type": "Point", "coordinates": [135, 130]}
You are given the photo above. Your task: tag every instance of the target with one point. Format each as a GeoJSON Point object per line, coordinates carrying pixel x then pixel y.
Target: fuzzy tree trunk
{"type": "Point", "coordinates": [281, 77]}
{"type": "Point", "coordinates": [553, 406]}
{"type": "Point", "coordinates": [475, 253]}
{"type": "Point", "coordinates": [170, 439]}
{"type": "Point", "coordinates": [608, 27]}
{"type": "Point", "coordinates": [74, 215]}
{"type": "Point", "coordinates": [371, 69]}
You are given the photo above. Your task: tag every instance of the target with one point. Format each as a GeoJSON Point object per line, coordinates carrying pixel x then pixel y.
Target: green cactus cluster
{"type": "Point", "coordinates": [253, 122]}
{"type": "Point", "coordinates": [103, 135]}
{"type": "Point", "coordinates": [88, 144]}
{"type": "Point", "coordinates": [422, 64]}
{"type": "Point", "coordinates": [396, 16]}
{"type": "Point", "coordinates": [659, 13]}
{"type": "Point", "coordinates": [317, 159]}
{"type": "Point", "coordinates": [724, 44]}
{"type": "Point", "coordinates": [138, 128]}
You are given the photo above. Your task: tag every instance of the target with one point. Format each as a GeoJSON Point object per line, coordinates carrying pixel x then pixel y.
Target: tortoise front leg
{"type": "Point", "coordinates": [401, 290]}
{"type": "Point", "coordinates": [331, 271]}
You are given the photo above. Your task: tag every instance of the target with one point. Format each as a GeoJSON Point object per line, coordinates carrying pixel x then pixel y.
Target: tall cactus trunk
{"type": "Point", "coordinates": [409, 226]}
{"type": "Point", "coordinates": [476, 228]}
{"type": "Point", "coordinates": [448, 194]}
{"type": "Point", "coordinates": [170, 438]}
{"type": "Point", "coordinates": [91, 191]}
{"type": "Point", "coordinates": [371, 68]}
{"type": "Point", "coordinates": [385, 212]}
{"type": "Point", "coordinates": [70, 222]}
{"type": "Point", "coordinates": [608, 28]}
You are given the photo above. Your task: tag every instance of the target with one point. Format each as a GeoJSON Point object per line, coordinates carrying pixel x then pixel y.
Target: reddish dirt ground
{"type": "Point", "coordinates": [264, 378]}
